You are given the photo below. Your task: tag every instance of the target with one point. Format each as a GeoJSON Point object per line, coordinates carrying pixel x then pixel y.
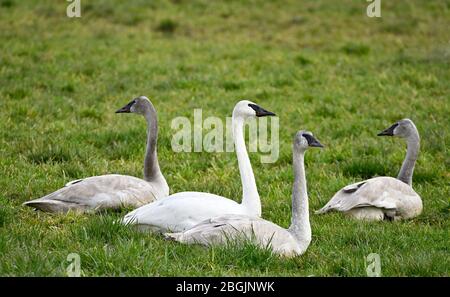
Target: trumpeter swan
{"type": "Point", "coordinates": [384, 197]}
{"type": "Point", "coordinates": [183, 210]}
{"type": "Point", "coordinates": [285, 242]}
{"type": "Point", "coordinates": [113, 191]}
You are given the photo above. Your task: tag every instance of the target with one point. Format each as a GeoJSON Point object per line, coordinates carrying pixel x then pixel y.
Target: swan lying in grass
{"type": "Point", "coordinates": [182, 211]}
{"type": "Point", "coordinates": [114, 191]}
{"type": "Point", "coordinates": [384, 197]}
{"type": "Point", "coordinates": [233, 228]}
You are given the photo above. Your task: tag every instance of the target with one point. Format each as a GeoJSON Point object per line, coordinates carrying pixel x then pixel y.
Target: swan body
{"type": "Point", "coordinates": [182, 211]}
{"type": "Point", "coordinates": [290, 242]}
{"type": "Point", "coordinates": [381, 198]}
{"type": "Point", "coordinates": [222, 229]}
{"type": "Point", "coordinates": [95, 193]}
{"type": "Point", "coordinates": [113, 191]}
{"type": "Point", "coordinates": [377, 198]}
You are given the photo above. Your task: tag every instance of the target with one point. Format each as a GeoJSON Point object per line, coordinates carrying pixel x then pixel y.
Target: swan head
{"type": "Point", "coordinates": [137, 105]}
{"type": "Point", "coordinates": [304, 140]}
{"type": "Point", "coordinates": [247, 109]}
{"type": "Point", "coordinates": [403, 128]}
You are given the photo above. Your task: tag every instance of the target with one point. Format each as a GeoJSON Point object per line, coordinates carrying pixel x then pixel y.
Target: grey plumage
{"type": "Point", "coordinates": [113, 191]}
{"type": "Point", "coordinates": [381, 198]}
{"type": "Point", "coordinates": [237, 228]}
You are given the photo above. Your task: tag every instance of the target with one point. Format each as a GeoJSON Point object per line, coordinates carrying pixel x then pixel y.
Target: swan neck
{"type": "Point", "coordinates": [250, 196]}
{"type": "Point", "coordinates": [152, 171]}
{"type": "Point", "coordinates": [412, 153]}
{"type": "Point", "coordinates": [300, 226]}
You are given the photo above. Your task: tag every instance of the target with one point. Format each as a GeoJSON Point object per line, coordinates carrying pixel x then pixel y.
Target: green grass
{"type": "Point", "coordinates": [320, 65]}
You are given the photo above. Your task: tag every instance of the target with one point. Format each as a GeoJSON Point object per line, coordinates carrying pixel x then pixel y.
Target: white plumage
{"type": "Point", "coordinates": [182, 211]}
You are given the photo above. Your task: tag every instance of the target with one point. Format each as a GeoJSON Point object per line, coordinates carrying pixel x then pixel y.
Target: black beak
{"type": "Point", "coordinates": [126, 108]}
{"type": "Point", "coordinates": [312, 141]}
{"type": "Point", "coordinates": [261, 112]}
{"type": "Point", "coordinates": [389, 131]}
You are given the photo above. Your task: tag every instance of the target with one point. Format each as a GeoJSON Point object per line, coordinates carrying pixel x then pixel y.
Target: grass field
{"type": "Point", "coordinates": [320, 65]}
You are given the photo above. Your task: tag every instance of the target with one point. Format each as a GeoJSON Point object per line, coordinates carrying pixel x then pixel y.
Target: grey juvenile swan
{"type": "Point", "coordinates": [284, 242]}
{"type": "Point", "coordinates": [113, 191]}
{"type": "Point", "coordinates": [384, 197]}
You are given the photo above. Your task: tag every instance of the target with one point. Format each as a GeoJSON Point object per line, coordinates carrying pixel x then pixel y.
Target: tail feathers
{"type": "Point", "coordinates": [55, 206]}
{"type": "Point", "coordinates": [46, 205]}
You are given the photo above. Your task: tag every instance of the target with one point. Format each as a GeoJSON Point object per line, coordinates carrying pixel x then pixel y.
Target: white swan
{"type": "Point", "coordinates": [113, 190]}
{"type": "Point", "coordinates": [384, 197]}
{"type": "Point", "coordinates": [183, 210]}
{"type": "Point", "coordinates": [285, 242]}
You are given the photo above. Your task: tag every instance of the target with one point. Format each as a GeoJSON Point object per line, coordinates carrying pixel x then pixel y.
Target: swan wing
{"type": "Point", "coordinates": [98, 192]}
{"type": "Point", "coordinates": [353, 187]}
{"type": "Point", "coordinates": [218, 230]}
{"type": "Point", "coordinates": [380, 192]}
{"type": "Point", "coordinates": [235, 229]}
